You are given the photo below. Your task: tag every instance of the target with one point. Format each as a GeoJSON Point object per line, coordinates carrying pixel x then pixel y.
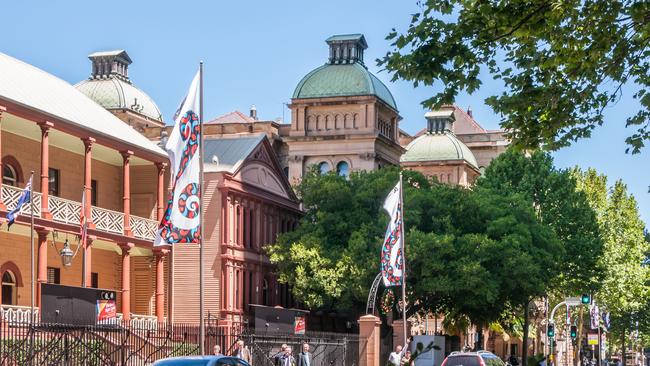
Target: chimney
{"type": "Point", "coordinates": [109, 64]}
{"type": "Point", "coordinates": [469, 111]}
{"type": "Point", "coordinates": [346, 48]}
{"type": "Point", "coordinates": [253, 112]}
{"type": "Point", "coordinates": [440, 121]}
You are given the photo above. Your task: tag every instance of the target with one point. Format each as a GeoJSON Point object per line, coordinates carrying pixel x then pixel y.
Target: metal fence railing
{"type": "Point", "coordinates": [133, 344]}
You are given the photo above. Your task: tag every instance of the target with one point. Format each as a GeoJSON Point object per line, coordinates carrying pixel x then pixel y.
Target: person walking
{"type": "Point", "coordinates": [304, 357]}
{"type": "Point", "coordinates": [287, 359]}
{"type": "Point", "coordinates": [242, 352]}
{"type": "Point", "coordinates": [216, 350]}
{"type": "Point", "coordinates": [277, 359]}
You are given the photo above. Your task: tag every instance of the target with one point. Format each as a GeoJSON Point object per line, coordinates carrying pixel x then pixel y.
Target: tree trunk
{"type": "Point", "coordinates": [524, 346]}
{"type": "Point", "coordinates": [623, 347]}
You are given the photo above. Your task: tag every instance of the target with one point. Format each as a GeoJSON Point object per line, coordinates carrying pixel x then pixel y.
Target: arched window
{"type": "Point", "coordinates": [286, 171]}
{"type": "Point", "coordinates": [265, 292]}
{"type": "Point", "coordinates": [9, 175]}
{"type": "Point", "coordinates": [343, 169]}
{"type": "Point", "coordinates": [324, 167]}
{"type": "Point", "coordinates": [8, 288]}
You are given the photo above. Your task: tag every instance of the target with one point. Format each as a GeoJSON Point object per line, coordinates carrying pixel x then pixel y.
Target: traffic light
{"type": "Point", "coordinates": [586, 299]}
{"type": "Point", "coordinates": [550, 331]}
{"type": "Point", "coordinates": [574, 331]}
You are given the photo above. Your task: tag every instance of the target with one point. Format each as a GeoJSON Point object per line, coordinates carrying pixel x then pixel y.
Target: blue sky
{"type": "Point", "coordinates": [255, 52]}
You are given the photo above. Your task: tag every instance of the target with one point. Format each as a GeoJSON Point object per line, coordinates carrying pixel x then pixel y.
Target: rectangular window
{"type": "Point", "coordinates": [93, 192]}
{"type": "Point", "coordinates": [54, 275]}
{"type": "Point", "coordinates": [94, 280]}
{"type": "Point", "coordinates": [53, 182]}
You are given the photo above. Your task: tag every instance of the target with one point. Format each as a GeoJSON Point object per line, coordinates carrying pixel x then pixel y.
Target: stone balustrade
{"type": "Point", "coordinates": [68, 212]}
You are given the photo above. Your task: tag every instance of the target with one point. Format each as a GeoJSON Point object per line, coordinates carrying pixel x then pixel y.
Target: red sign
{"type": "Point", "coordinates": [106, 310]}
{"type": "Point", "coordinates": [299, 325]}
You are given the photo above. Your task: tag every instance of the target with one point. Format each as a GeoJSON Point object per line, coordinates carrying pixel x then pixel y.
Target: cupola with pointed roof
{"type": "Point", "coordinates": [110, 86]}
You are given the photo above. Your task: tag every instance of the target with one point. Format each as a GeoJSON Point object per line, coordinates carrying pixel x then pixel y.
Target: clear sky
{"type": "Point", "coordinates": [255, 52]}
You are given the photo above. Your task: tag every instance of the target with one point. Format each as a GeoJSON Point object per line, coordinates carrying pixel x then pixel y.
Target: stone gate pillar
{"type": "Point", "coordinates": [398, 332]}
{"type": "Point", "coordinates": [369, 340]}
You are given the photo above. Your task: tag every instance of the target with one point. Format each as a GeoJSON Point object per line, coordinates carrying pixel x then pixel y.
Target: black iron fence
{"type": "Point", "coordinates": [136, 344]}
{"type": "Point", "coordinates": [327, 349]}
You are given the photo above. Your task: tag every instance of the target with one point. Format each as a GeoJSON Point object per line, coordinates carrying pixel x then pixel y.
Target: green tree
{"type": "Point", "coordinates": [625, 292]}
{"type": "Point", "coordinates": [561, 62]}
{"type": "Point", "coordinates": [560, 205]}
{"type": "Point", "coordinates": [469, 253]}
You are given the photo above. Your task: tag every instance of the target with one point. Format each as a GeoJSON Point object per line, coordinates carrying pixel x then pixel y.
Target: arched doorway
{"type": "Point", "coordinates": [9, 288]}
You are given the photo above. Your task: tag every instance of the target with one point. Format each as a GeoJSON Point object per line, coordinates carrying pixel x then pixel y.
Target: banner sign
{"type": "Point", "coordinates": [299, 325]}
{"type": "Point", "coordinates": [592, 339]}
{"type": "Point", "coordinates": [106, 310]}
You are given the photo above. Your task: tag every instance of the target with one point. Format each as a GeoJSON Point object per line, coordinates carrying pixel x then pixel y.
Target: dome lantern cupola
{"type": "Point", "coordinates": [440, 121]}
{"type": "Point", "coordinates": [110, 64]}
{"type": "Point", "coordinates": [346, 48]}
{"type": "Point", "coordinates": [109, 85]}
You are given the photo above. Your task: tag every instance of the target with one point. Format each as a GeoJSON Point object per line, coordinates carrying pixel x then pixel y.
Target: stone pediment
{"type": "Point", "coordinates": [261, 169]}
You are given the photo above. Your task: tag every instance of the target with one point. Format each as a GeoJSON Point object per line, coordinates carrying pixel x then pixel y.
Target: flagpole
{"type": "Point", "coordinates": [201, 300]}
{"type": "Point", "coordinates": [31, 249]}
{"type": "Point", "coordinates": [83, 240]}
{"type": "Point", "coordinates": [401, 205]}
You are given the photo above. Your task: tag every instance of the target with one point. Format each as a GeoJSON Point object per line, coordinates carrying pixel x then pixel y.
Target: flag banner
{"type": "Point", "coordinates": [606, 322]}
{"type": "Point", "coordinates": [182, 218]}
{"type": "Point", "coordinates": [392, 263]}
{"type": "Point", "coordinates": [24, 199]}
{"type": "Point", "coordinates": [594, 315]}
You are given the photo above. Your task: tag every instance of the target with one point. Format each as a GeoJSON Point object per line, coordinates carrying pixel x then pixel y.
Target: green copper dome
{"type": "Point", "coordinates": [109, 85]}
{"type": "Point", "coordinates": [342, 80]}
{"type": "Point", "coordinates": [344, 74]}
{"type": "Point", "coordinates": [437, 147]}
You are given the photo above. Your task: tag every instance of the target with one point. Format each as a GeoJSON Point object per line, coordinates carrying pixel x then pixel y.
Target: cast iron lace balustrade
{"type": "Point", "coordinates": [17, 314]}
{"type": "Point", "coordinates": [68, 212]}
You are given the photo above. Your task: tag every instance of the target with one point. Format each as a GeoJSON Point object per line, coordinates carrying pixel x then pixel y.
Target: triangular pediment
{"type": "Point", "coordinates": [262, 170]}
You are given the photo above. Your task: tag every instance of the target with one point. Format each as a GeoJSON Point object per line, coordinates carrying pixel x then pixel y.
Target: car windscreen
{"type": "Point", "coordinates": [492, 360]}
{"type": "Point", "coordinates": [183, 363]}
{"type": "Point", "coordinates": [463, 361]}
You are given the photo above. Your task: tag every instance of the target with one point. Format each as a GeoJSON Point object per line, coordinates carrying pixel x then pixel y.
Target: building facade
{"type": "Point", "coordinates": [343, 117]}
{"type": "Point", "coordinates": [77, 149]}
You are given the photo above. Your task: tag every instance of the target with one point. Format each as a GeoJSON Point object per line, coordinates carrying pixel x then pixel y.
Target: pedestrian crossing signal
{"type": "Point", "coordinates": [574, 331]}
{"type": "Point", "coordinates": [550, 331]}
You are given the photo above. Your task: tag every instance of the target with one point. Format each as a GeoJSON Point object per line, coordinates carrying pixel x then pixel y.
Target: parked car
{"type": "Point", "coordinates": [201, 361]}
{"type": "Point", "coordinates": [480, 358]}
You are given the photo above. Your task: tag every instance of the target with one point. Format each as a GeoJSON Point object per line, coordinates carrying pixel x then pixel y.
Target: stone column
{"type": "Point", "coordinates": [160, 197]}
{"type": "Point", "coordinates": [160, 283]}
{"type": "Point", "coordinates": [126, 190]}
{"type": "Point", "coordinates": [89, 260]}
{"type": "Point", "coordinates": [88, 163]}
{"type": "Point", "coordinates": [369, 340]}
{"type": "Point", "coordinates": [398, 331]}
{"type": "Point", "coordinates": [240, 222]}
{"type": "Point", "coordinates": [45, 167]}
{"type": "Point", "coordinates": [2, 204]}
{"type": "Point", "coordinates": [126, 280]}
{"type": "Point", "coordinates": [224, 217]}
{"type": "Point", "coordinates": [42, 262]}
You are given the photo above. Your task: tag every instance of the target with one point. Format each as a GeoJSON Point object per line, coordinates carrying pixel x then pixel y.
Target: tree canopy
{"type": "Point", "coordinates": [471, 253]}
{"type": "Point", "coordinates": [561, 62]}
{"type": "Point", "coordinates": [559, 205]}
{"type": "Point", "coordinates": [625, 290]}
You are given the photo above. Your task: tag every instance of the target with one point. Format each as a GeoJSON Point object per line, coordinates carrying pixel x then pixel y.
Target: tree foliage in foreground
{"type": "Point", "coordinates": [561, 62]}
{"type": "Point", "coordinates": [560, 206]}
{"type": "Point", "coordinates": [468, 253]}
{"type": "Point", "coordinates": [625, 291]}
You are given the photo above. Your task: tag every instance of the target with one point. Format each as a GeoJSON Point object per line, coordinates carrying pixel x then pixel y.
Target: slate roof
{"type": "Point", "coordinates": [36, 89]}
{"type": "Point", "coordinates": [232, 117]}
{"type": "Point", "coordinates": [227, 153]}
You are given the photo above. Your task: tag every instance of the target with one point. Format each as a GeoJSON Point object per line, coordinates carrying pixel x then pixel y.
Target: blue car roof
{"type": "Point", "coordinates": [188, 360]}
